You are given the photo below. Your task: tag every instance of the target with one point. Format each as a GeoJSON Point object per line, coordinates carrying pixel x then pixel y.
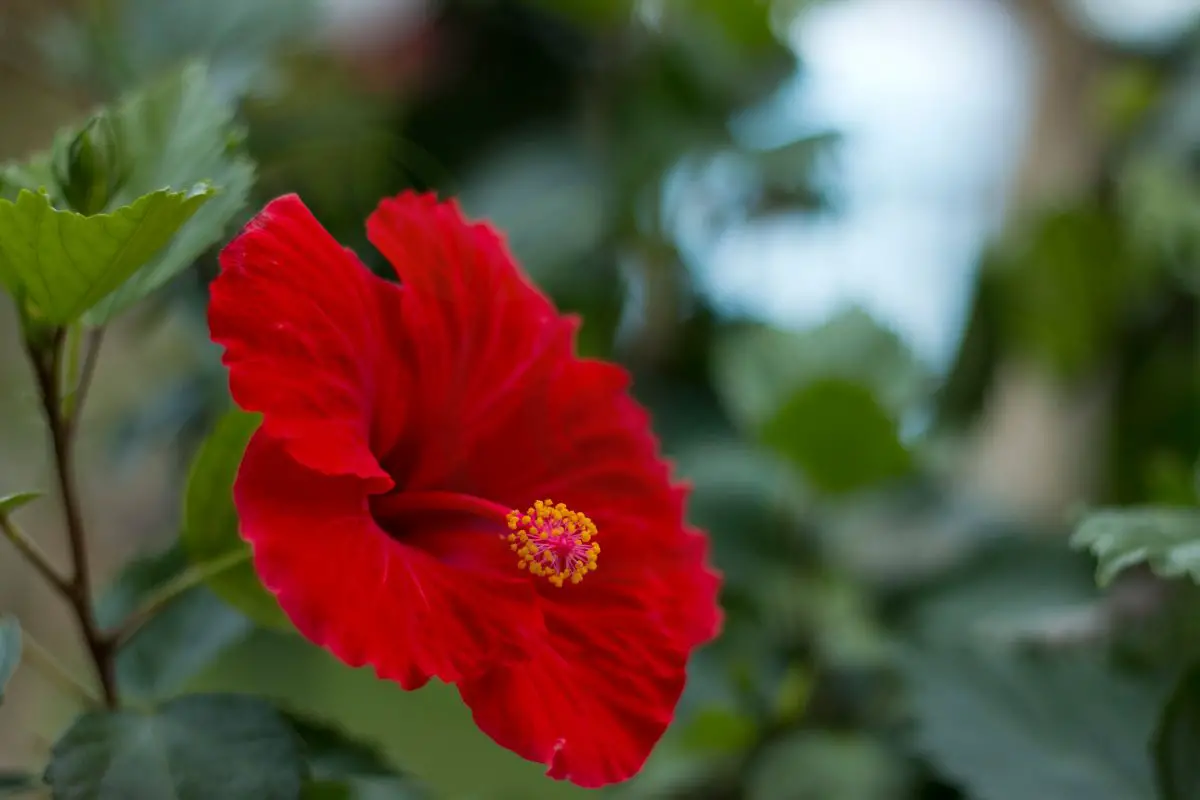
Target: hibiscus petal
{"type": "Point", "coordinates": [367, 597]}
{"type": "Point", "coordinates": [301, 320]}
{"type": "Point", "coordinates": [478, 331]}
{"type": "Point", "coordinates": [593, 701]}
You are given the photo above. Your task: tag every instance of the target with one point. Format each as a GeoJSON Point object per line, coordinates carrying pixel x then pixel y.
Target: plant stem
{"type": "Point", "coordinates": [188, 579]}
{"type": "Point", "coordinates": [33, 554]}
{"type": "Point", "coordinates": [47, 366]}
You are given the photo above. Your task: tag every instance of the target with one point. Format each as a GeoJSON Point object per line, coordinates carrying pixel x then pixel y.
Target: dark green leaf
{"type": "Point", "coordinates": [360, 789]}
{"type": "Point", "coordinates": [11, 502]}
{"type": "Point", "coordinates": [1177, 740]}
{"type": "Point", "coordinates": [179, 132]}
{"type": "Point", "coordinates": [344, 767]}
{"type": "Point", "coordinates": [1168, 539]}
{"type": "Point", "coordinates": [60, 264]}
{"type": "Point", "coordinates": [10, 650]}
{"type": "Point", "coordinates": [16, 784]}
{"type": "Point", "coordinates": [183, 637]}
{"type": "Point", "coordinates": [327, 790]}
{"type": "Point", "coordinates": [1008, 724]}
{"type": "Point", "coordinates": [210, 530]}
{"type": "Point", "coordinates": [839, 435]}
{"type": "Point", "coordinates": [198, 747]}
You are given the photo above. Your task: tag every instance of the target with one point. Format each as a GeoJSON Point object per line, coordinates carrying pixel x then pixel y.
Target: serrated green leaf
{"type": "Point", "coordinates": [198, 747]}
{"type": "Point", "coordinates": [839, 436]}
{"type": "Point", "coordinates": [179, 132]}
{"type": "Point", "coordinates": [60, 264]}
{"type": "Point", "coordinates": [1004, 724]}
{"type": "Point", "coordinates": [1167, 539]}
{"type": "Point", "coordinates": [210, 526]}
{"type": "Point", "coordinates": [10, 650]}
{"type": "Point", "coordinates": [1177, 739]}
{"type": "Point", "coordinates": [183, 637]}
{"type": "Point", "coordinates": [11, 502]}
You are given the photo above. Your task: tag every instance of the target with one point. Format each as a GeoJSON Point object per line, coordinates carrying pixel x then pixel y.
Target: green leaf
{"type": "Point", "coordinates": [182, 638]}
{"type": "Point", "coordinates": [16, 784]}
{"type": "Point", "coordinates": [756, 369]}
{"type": "Point", "coordinates": [180, 132]}
{"type": "Point", "coordinates": [839, 435]}
{"type": "Point", "coordinates": [60, 264]}
{"type": "Point", "coordinates": [1005, 724]}
{"type": "Point", "coordinates": [1168, 539]}
{"type": "Point", "coordinates": [1177, 740]}
{"type": "Point", "coordinates": [135, 41]}
{"type": "Point", "coordinates": [198, 747]}
{"type": "Point", "coordinates": [11, 502]}
{"type": "Point", "coordinates": [719, 730]}
{"type": "Point", "coordinates": [10, 650]}
{"type": "Point", "coordinates": [343, 767]}
{"type": "Point", "coordinates": [210, 528]}
{"type": "Point", "coordinates": [818, 764]}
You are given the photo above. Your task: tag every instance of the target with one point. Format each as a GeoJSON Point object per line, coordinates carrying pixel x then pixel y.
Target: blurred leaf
{"type": "Point", "coordinates": [11, 502]}
{"type": "Point", "coordinates": [1004, 590]}
{"type": "Point", "coordinates": [198, 747]}
{"type": "Point", "coordinates": [564, 216]}
{"type": "Point", "coordinates": [16, 784]}
{"type": "Point", "coordinates": [1160, 201]}
{"type": "Point", "coordinates": [1069, 282]}
{"type": "Point", "coordinates": [1177, 740]}
{"type": "Point", "coordinates": [179, 132]}
{"type": "Point", "coordinates": [429, 732]}
{"type": "Point", "coordinates": [60, 264]}
{"type": "Point", "coordinates": [756, 369]}
{"type": "Point", "coordinates": [719, 730]}
{"type": "Point", "coordinates": [182, 638]}
{"type": "Point", "coordinates": [210, 526]}
{"type": "Point", "coordinates": [1005, 724]}
{"type": "Point", "coordinates": [816, 765]}
{"type": "Point", "coordinates": [344, 767]}
{"type": "Point", "coordinates": [10, 650]}
{"type": "Point", "coordinates": [34, 175]}
{"type": "Point", "coordinates": [839, 435]}
{"type": "Point", "coordinates": [134, 41]}
{"type": "Point", "coordinates": [1127, 93]}
{"type": "Point", "coordinates": [1168, 539]}
{"type": "Point", "coordinates": [326, 790]}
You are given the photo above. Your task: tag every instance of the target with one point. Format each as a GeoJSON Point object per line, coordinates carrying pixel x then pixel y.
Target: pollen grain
{"type": "Point", "coordinates": [553, 542]}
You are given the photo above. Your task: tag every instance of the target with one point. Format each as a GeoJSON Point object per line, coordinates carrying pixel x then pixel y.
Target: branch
{"type": "Point", "coordinates": [188, 579]}
{"type": "Point", "coordinates": [33, 554]}
{"type": "Point", "coordinates": [47, 367]}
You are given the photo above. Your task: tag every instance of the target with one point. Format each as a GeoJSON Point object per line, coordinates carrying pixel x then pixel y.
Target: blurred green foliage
{"type": "Point", "coordinates": [888, 635]}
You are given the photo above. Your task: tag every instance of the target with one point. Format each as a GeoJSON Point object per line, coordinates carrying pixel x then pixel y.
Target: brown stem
{"type": "Point", "coordinates": [46, 365]}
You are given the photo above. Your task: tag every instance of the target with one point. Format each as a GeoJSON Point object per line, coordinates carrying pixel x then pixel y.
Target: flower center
{"type": "Point", "coordinates": [553, 541]}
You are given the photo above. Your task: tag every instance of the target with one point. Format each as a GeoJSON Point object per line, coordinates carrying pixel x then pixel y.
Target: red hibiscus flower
{"type": "Point", "coordinates": [441, 488]}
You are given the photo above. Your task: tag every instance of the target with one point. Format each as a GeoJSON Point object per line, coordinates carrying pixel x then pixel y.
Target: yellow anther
{"type": "Point", "coordinates": [553, 541]}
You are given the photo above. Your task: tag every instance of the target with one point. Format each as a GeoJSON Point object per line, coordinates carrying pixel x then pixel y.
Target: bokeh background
{"type": "Point", "coordinates": [906, 284]}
